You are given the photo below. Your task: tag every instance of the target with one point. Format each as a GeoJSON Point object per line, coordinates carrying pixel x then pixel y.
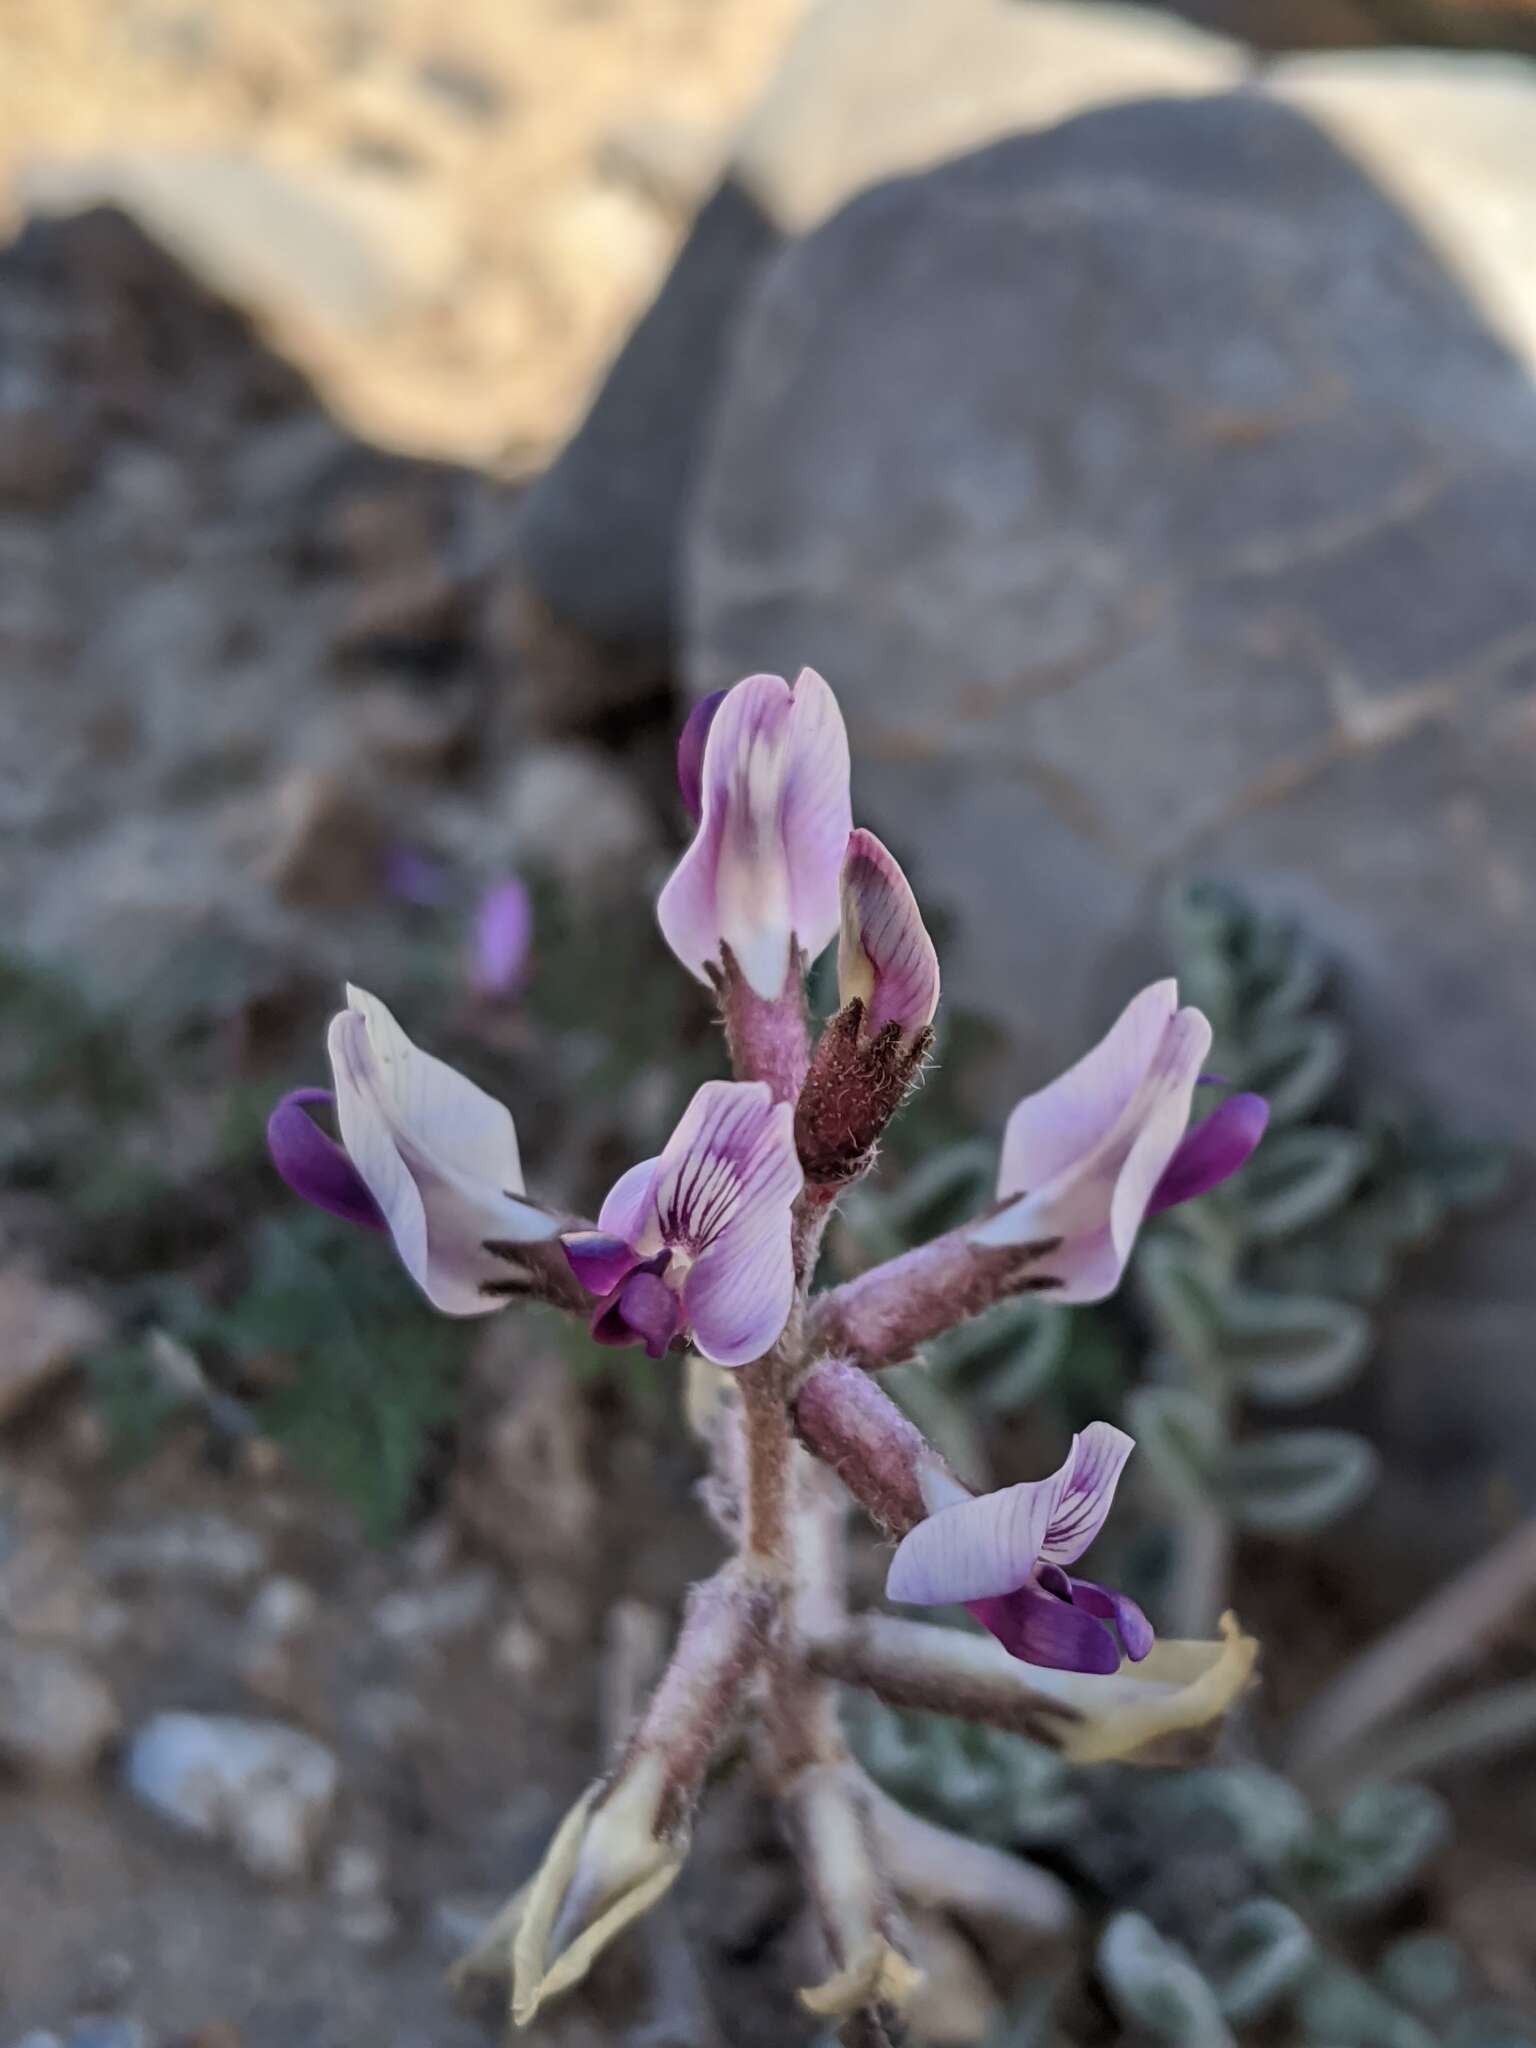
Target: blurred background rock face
{"type": "Point", "coordinates": [402, 409]}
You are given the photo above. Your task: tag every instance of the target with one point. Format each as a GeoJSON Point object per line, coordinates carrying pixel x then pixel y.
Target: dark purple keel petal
{"type": "Point", "coordinates": [1106, 1604]}
{"type": "Point", "coordinates": [314, 1165]}
{"type": "Point", "coordinates": [1212, 1152]}
{"type": "Point", "coordinates": [1038, 1629]}
{"type": "Point", "coordinates": [690, 752]}
{"type": "Point", "coordinates": [640, 1310]}
{"type": "Point", "coordinates": [600, 1262]}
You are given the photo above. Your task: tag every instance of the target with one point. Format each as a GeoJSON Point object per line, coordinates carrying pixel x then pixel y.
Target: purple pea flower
{"type": "Point", "coordinates": [761, 877]}
{"type": "Point", "coordinates": [884, 954]}
{"type": "Point", "coordinates": [1004, 1556]}
{"type": "Point", "coordinates": [1088, 1158]}
{"type": "Point", "coordinates": [502, 941]}
{"type": "Point", "coordinates": [424, 1155]}
{"type": "Point", "coordinates": [698, 1240]}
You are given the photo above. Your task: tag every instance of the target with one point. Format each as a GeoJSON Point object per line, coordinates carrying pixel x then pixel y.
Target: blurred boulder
{"type": "Point", "coordinates": [1158, 503]}
{"type": "Point", "coordinates": [867, 88]}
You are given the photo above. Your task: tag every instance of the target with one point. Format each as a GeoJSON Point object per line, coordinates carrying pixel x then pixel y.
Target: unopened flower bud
{"type": "Point", "coordinates": [885, 958]}
{"type": "Point", "coordinates": [760, 880]}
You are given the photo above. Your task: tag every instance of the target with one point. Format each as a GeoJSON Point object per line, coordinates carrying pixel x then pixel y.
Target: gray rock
{"type": "Point", "coordinates": [599, 530]}
{"type": "Point", "coordinates": [1157, 504]}
{"type": "Point", "coordinates": [106, 2033]}
{"type": "Point", "coordinates": [56, 1715]}
{"type": "Point", "coordinates": [265, 1789]}
{"type": "Point", "coordinates": [576, 812]}
{"type": "Point", "coordinates": [866, 88]}
{"type": "Point", "coordinates": [198, 1547]}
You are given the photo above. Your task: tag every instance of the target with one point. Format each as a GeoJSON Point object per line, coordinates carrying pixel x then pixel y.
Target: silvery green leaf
{"type": "Point", "coordinates": [1291, 972]}
{"type": "Point", "coordinates": [1006, 1359]}
{"type": "Point", "coordinates": [1490, 2026]}
{"type": "Point", "coordinates": [1153, 1983]}
{"type": "Point", "coordinates": [1425, 1971]}
{"type": "Point", "coordinates": [1267, 1818]}
{"type": "Point", "coordinates": [1338, 2008]}
{"type": "Point", "coordinates": [1255, 1957]}
{"type": "Point", "coordinates": [959, 1178]}
{"type": "Point", "coordinates": [1182, 1438]}
{"type": "Point", "coordinates": [1470, 1175]}
{"type": "Point", "coordinates": [1345, 1260]}
{"type": "Point", "coordinates": [1295, 1482]}
{"type": "Point", "coordinates": [1294, 1063]}
{"type": "Point", "coordinates": [1182, 1285]}
{"type": "Point", "coordinates": [1298, 1177]}
{"type": "Point", "coordinates": [1373, 1847]}
{"type": "Point", "coordinates": [1289, 1349]}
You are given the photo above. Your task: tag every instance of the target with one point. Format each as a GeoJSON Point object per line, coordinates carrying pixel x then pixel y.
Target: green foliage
{"type": "Point", "coordinates": [367, 1371]}
{"type": "Point", "coordinates": [997, 1787]}
{"type": "Point", "coordinates": [1154, 1983]}
{"type": "Point", "coordinates": [134, 1398]}
{"type": "Point", "coordinates": [1257, 1295]}
{"type": "Point", "coordinates": [1368, 1853]}
{"type": "Point", "coordinates": [55, 1042]}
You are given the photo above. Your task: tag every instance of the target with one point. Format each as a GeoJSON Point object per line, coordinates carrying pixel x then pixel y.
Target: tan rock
{"type": "Point", "coordinates": [43, 1332]}
{"type": "Point", "coordinates": [1452, 137]}
{"type": "Point", "coordinates": [870, 89]}
{"type": "Point", "coordinates": [56, 1715]}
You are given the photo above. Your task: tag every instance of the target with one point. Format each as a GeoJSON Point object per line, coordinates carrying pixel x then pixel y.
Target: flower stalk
{"type": "Point", "coordinates": [709, 1250]}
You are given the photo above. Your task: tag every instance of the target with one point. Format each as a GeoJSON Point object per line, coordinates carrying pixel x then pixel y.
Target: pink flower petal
{"type": "Point", "coordinates": [1212, 1152]}
{"type": "Point", "coordinates": [734, 1147]}
{"type": "Point", "coordinates": [977, 1550]}
{"type": "Point", "coordinates": [437, 1154]}
{"type": "Point", "coordinates": [629, 1211]}
{"type": "Point", "coordinates": [1066, 1121]}
{"type": "Point", "coordinates": [724, 1192]}
{"type": "Point", "coordinates": [762, 870]}
{"type": "Point", "coordinates": [818, 813]}
{"type": "Point", "coordinates": [1107, 1130]}
{"type": "Point", "coordinates": [1087, 1492]}
{"type": "Point", "coordinates": [884, 955]}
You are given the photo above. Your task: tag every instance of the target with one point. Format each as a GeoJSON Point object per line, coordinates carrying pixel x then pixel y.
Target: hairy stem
{"type": "Point", "coordinates": [930, 1866]}
{"type": "Point", "coordinates": [886, 1315]}
{"type": "Point", "coordinates": [730, 1625]}
{"type": "Point", "coordinates": [881, 1457]}
{"type": "Point", "coordinates": [767, 1537]}
{"type": "Point", "coordinates": [925, 1669]}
